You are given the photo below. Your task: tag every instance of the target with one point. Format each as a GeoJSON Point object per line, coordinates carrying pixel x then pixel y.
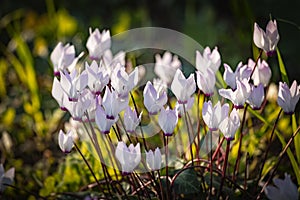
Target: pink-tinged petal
{"type": "Point", "coordinates": [119, 152]}
{"type": "Point", "coordinates": [200, 64]}
{"type": "Point", "coordinates": [167, 120]}
{"type": "Point", "coordinates": [229, 77]}
{"type": "Point", "coordinates": [226, 93]}
{"type": "Point", "coordinates": [256, 97]}
{"type": "Point", "coordinates": [57, 92]}
{"type": "Point", "coordinates": [158, 159]}
{"type": "Point", "coordinates": [150, 159]}
{"type": "Point", "coordinates": [183, 88]}
{"type": "Point", "coordinates": [258, 36]}
{"type": "Point", "coordinates": [61, 136]}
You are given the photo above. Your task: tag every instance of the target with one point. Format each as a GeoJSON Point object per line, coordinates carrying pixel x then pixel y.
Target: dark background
{"type": "Point", "coordinates": [226, 24]}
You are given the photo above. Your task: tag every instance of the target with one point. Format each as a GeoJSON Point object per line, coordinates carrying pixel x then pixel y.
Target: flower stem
{"type": "Point", "coordinates": [224, 168]}
{"type": "Point", "coordinates": [137, 112]}
{"type": "Point", "coordinates": [189, 134]}
{"type": "Point", "coordinates": [167, 168]}
{"type": "Point", "coordinates": [256, 61]}
{"type": "Point", "coordinates": [237, 162]}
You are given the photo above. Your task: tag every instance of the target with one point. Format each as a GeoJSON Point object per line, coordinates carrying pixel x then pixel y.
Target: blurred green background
{"type": "Point", "coordinates": [30, 29]}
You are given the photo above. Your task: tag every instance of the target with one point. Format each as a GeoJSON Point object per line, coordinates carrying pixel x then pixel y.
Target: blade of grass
{"type": "Point", "coordinates": [282, 69]}
{"type": "Point", "coordinates": [297, 138]}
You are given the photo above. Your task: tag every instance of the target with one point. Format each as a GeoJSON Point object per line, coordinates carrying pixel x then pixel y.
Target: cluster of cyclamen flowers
{"type": "Point", "coordinates": [99, 91]}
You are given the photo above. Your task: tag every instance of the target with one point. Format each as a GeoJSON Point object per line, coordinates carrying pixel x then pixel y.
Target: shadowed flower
{"type": "Point", "coordinates": [230, 125]}
{"type": "Point", "coordinates": [166, 66]}
{"type": "Point", "coordinates": [154, 159]}
{"type": "Point", "coordinates": [65, 141]}
{"type": "Point", "coordinates": [129, 157]}
{"type": "Point", "coordinates": [6, 178]}
{"type": "Point", "coordinates": [183, 88]}
{"type": "Point", "coordinates": [282, 189]}
{"type": "Point", "coordinates": [154, 100]}
{"type": "Point", "coordinates": [288, 97]}
{"type": "Point", "coordinates": [168, 120]}
{"type": "Point", "coordinates": [97, 43]}
{"type": "Point", "coordinates": [268, 40]}
{"type": "Point", "coordinates": [213, 116]}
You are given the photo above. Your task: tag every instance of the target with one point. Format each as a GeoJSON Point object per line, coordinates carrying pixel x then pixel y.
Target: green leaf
{"type": "Point", "coordinates": [282, 69]}
{"type": "Point", "coordinates": [187, 182]}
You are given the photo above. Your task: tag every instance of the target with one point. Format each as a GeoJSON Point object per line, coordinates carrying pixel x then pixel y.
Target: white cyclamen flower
{"type": "Point", "coordinates": [208, 60]}
{"type": "Point", "coordinates": [113, 104]}
{"type": "Point", "coordinates": [241, 72]}
{"type": "Point", "coordinates": [65, 141]}
{"type": "Point", "coordinates": [288, 97]}
{"type": "Point", "coordinates": [166, 66]}
{"type": "Point", "coordinates": [122, 82]}
{"type": "Point", "coordinates": [131, 120]}
{"type": "Point", "coordinates": [97, 77]}
{"type": "Point", "coordinates": [256, 97]}
{"type": "Point", "coordinates": [268, 40]}
{"type": "Point", "coordinates": [167, 120]}
{"type": "Point", "coordinates": [154, 159]}
{"type": "Point", "coordinates": [59, 95]}
{"type": "Point", "coordinates": [103, 122]}
{"type": "Point", "coordinates": [282, 189]}
{"type": "Point", "coordinates": [78, 108]}
{"type": "Point", "coordinates": [154, 100]}
{"type": "Point", "coordinates": [183, 88]}
{"type": "Point", "coordinates": [73, 83]}
{"type": "Point", "coordinates": [230, 125]}
{"type": "Point", "coordinates": [262, 73]}
{"type": "Point", "coordinates": [213, 116]}
{"type": "Point", "coordinates": [6, 177]}
{"type": "Point", "coordinates": [206, 81]}
{"type": "Point", "coordinates": [98, 43]}
{"type": "Point", "coordinates": [63, 58]}
{"type": "Point", "coordinates": [239, 96]}
{"type": "Point", "coordinates": [129, 157]}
